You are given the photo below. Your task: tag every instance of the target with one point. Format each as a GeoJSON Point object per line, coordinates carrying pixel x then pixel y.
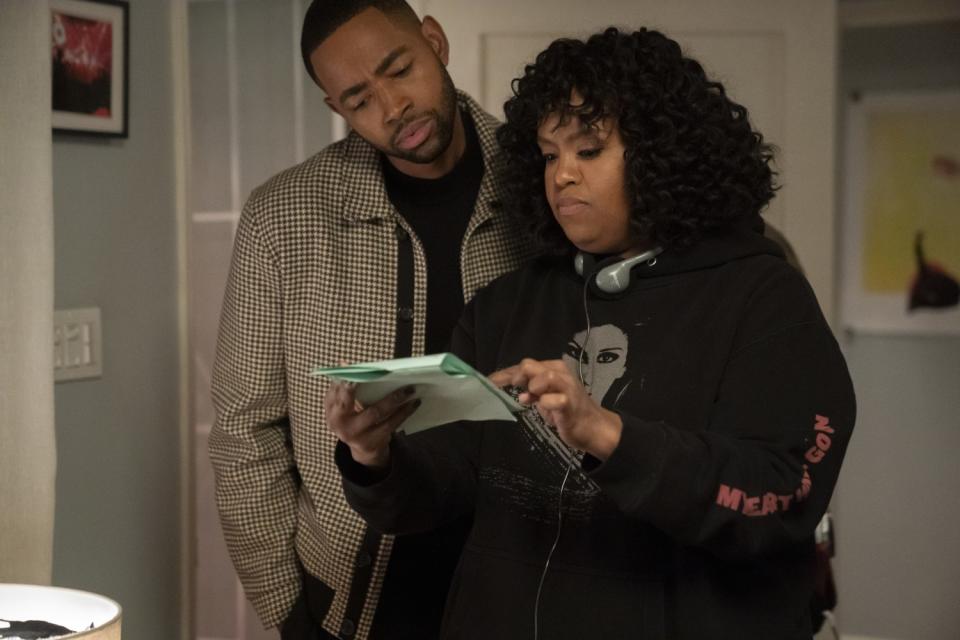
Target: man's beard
{"type": "Point", "coordinates": [443, 120]}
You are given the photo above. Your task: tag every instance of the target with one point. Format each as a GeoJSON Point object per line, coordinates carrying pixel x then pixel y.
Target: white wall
{"type": "Point", "coordinates": [898, 564]}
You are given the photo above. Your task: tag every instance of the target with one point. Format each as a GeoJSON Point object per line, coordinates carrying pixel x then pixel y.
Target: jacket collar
{"type": "Point", "coordinates": [365, 195]}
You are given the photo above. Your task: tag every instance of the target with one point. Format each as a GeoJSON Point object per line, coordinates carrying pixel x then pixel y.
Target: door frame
{"type": "Point", "coordinates": [180, 96]}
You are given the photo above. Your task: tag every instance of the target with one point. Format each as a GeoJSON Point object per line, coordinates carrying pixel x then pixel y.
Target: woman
{"type": "Point", "coordinates": [684, 364]}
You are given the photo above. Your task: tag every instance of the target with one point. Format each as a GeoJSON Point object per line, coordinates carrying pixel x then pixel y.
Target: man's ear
{"type": "Point", "coordinates": [433, 34]}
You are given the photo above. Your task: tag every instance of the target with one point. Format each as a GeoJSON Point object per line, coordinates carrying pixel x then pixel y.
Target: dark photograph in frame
{"type": "Point", "coordinates": [89, 64]}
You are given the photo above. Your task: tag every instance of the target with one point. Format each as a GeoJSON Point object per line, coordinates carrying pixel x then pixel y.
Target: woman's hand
{"type": "Point", "coordinates": [563, 402]}
{"type": "Point", "coordinates": [367, 430]}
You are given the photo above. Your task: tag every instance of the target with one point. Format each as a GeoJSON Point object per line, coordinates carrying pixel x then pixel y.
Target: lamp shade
{"type": "Point", "coordinates": [90, 616]}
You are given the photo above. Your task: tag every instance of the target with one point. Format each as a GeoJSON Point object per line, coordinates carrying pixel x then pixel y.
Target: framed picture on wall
{"type": "Point", "coordinates": [89, 59]}
{"type": "Point", "coordinates": [901, 214]}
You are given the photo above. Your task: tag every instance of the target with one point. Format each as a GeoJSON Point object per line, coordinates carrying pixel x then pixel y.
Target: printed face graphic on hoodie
{"type": "Point", "coordinates": [604, 358]}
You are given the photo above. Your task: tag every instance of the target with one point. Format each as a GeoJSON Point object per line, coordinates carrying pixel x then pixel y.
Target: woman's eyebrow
{"type": "Point", "coordinates": [585, 132]}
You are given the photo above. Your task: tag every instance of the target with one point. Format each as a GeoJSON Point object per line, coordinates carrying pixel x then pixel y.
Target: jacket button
{"type": "Point", "coordinates": [405, 314]}
{"type": "Point", "coordinates": [347, 629]}
{"type": "Point", "coordinates": [363, 560]}
{"type": "Point", "coordinates": [401, 233]}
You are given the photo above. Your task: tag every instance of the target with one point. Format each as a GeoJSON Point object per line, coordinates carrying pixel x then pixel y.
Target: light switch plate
{"type": "Point", "coordinates": [77, 352]}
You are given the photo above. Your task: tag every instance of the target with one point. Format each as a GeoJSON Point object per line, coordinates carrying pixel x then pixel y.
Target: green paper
{"type": "Point", "coordinates": [448, 387]}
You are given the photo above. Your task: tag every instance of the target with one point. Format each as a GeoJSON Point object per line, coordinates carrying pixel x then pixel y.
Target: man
{"type": "Point", "coordinates": [366, 251]}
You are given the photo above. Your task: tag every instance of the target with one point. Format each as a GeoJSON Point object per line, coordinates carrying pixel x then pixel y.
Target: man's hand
{"type": "Point", "coordinates": [367, 430]}
{"type": "Point", "coordinates": [563, 402]}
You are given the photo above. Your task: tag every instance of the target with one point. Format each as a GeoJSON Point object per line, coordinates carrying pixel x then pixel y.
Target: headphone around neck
{"type": "Point", "coordinates": [615, 277]}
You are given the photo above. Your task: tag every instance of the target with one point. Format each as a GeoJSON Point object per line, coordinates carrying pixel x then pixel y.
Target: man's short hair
{"type": "Point", "coordinates": [326, 16]}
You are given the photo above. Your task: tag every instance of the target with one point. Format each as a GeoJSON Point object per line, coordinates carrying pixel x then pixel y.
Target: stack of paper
{"type": "Point", "coordinates": [449, 388]}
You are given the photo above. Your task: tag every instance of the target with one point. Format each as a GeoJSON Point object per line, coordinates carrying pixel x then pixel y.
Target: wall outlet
{"type": "Point", "coordinates": [77, 352]}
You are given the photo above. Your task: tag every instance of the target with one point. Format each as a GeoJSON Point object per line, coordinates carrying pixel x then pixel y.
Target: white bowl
{"type": "Point", "coordinates": [68, 608]}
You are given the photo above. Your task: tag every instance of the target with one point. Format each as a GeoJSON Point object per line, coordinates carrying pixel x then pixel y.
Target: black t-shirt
{"type": "Point", "coordinates": [421, 566]}
{"type": "Point", "coordinates": [439, 210]}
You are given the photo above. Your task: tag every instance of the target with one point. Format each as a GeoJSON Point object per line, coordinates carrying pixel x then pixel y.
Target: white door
{"type": "Point", "coordinates": [776, 57]}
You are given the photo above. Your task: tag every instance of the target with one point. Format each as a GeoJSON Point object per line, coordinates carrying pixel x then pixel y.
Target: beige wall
{"type": "Point", "coordinates": [27, 454]}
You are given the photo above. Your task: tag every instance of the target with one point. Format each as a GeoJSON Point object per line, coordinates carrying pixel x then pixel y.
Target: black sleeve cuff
{"type": "Point", "coordinates": [356, 473]}
{"type": "Point", "coordinates": [632, 471]}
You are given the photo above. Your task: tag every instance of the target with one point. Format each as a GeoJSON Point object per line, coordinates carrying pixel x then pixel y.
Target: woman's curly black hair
{"type": "Point", "coordinates": [694, 165]}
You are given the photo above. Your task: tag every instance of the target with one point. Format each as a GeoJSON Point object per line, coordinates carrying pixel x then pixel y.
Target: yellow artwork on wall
{"type": "Point", "coordinates": [900, 249]}
{"type": "Point", "coordinates": [913, 187]}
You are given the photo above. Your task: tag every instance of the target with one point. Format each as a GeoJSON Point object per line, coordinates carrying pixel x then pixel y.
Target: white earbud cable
{"type": "Point", "coordinates": [566, 476]}
{"type": "Point", "coordinates": [546, 566]}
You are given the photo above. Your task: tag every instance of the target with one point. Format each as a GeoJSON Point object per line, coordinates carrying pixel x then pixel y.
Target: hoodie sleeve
{"type": "Point", "coordinates": [431, 480]}
{"type": "Point", "coordinates": [432, 476]}
{"type": "Point", "coordinates": [760, 476]}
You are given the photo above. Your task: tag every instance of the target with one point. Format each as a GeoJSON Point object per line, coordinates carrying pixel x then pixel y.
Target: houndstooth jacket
{"type": "Point", "coordinates": [314, 282]}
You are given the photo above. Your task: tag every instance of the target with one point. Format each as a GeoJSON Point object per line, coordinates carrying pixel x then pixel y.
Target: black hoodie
{"type": "Point", "coordinates": [736, 406]}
